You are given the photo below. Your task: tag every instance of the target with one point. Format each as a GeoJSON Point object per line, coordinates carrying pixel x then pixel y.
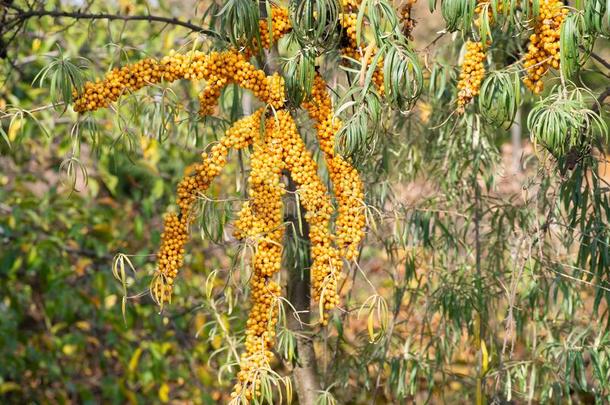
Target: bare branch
{"type": "Point", "coordinates": [23, 15]}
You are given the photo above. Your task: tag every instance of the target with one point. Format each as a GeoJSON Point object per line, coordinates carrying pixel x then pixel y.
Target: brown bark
{"type": "Point", "coordinates": [305, 373]}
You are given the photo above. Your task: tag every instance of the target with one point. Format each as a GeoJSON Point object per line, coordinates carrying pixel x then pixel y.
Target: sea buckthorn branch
{"type": "Point", "coordinates": [170, 256]}
{"type": "Point", "coordinates": [347, 185]}
{"type": "Point", "coordinates": [226, 67]}
{"type": "Point", "coordinates": [543, 49]}
{"type": "Point", "coordinates": [262, 219]}
{"type": "Point", "coordinates": [473, 66]}
{"type": "Point", "coordinates": [280, 24]}
{"type": "Point", "coordinates": [472, 74]}
{"type": "Point", "coordinates": [313, 194]}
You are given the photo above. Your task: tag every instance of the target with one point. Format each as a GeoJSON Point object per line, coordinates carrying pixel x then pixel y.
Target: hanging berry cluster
{"type": "Point", "coordinates": [543, 49]}
{"type": "Point", "coordinates": [473, 66]}
{"type": "Point", "coordinates": [472, 74]}
{"type": "Point", "coordinates": [260, 222]}
{"type": "Point", "coordinates": [280, 24]}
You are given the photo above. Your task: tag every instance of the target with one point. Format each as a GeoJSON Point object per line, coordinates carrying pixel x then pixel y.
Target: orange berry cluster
{"type": "Point", "coordinates": [348, 22]}
{"type": "Point", "coordinates": [313, 194]}
{"type": "Point", "coordinates": [217, 68]}
{"type": "Point", "coordinates": [101, 93]}
{"type": "Point", "coordinates": [348, 190]}
{"type": "Point", "coordinates": [347, 185]}
{"type": "Point", "coordinates": [471, 76]}
{"type": "Point", "coordinates": [197, 179]}
{"type": "Point", "coordinates": [543, 49]}
{"type": "Point", "coordinates": [262, 219]}
{"type": "Point", "coordinates": [280, 23]}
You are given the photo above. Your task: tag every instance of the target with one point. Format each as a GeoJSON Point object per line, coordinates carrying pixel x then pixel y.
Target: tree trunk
{"type": "Point", "coordinates": [299, 294]}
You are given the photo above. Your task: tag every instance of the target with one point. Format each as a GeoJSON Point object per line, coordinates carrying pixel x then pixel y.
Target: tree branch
{"type": "Point", "coordinates": [23, 15]}
{"type": "Point", "coordinates": [601, 60]}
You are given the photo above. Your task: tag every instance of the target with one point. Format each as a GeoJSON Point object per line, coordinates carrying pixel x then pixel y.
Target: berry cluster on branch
{"type": "Point", "coordinates": [280, 24]}
{"type": "Point", "coordinates": [216, 68]}
{"type": "Point", "coordinates": [348, 187]}
{"type": "Point", "coordinates": [261, 218]}
{"type": "Point", "coordinates": [472, 73]}
{"type": "Point", "coordinates": [260, 222]}
{"type": "Point", "coordinates": [543, 49]}
{"type": "Point", "coordinates": [197, 179]}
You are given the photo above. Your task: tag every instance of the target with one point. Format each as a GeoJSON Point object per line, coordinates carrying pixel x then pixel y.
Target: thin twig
{"type": "Point", "coordinates": [24, 15]}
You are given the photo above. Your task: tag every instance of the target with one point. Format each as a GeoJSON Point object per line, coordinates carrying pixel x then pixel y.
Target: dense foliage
{"type": "Point", "coordinates": [478, 280]}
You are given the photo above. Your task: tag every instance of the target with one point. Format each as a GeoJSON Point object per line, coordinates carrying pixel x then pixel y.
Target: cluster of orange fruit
{"type": "Point", "coordinates": [197, 179]}
{"type": "Point", "coordinates": [543, 49]}
{"type": "Point", "coordinates": [216, 68]}
{"type": "Point", "coordinates": [280, 24]}
{"type": "Point", "coordinates": [279, 150]}
{"type": "Point", "coordinates": [261, 219]}
{"type": "Point", "coordinates": [282, 149]}
{"type": "Point", "coordinates": [347, 185]}
{"type": "Point", "coordinates": [349, 193]}
{"type": "Point", "coordinates": [472, 70]}
{"type": "Point", "coordinates": [472, 73]}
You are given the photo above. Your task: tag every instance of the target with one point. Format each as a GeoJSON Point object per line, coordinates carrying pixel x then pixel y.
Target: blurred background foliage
{"type": "Point", "coordinates": [486, 267]}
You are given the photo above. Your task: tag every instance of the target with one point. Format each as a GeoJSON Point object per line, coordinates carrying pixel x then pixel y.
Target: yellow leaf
{"type": "Point", "coordinates": [164, 393]}
{"type": "Point", "coordinates": [166, 347]}
{"type": "Point", "coordinates": [217, 342]}
{"type": "Point", "coordinates": [110, 301]}
{"type": "Point", "coordinates": [57, 327]}
{"type": "Point", "coordinates": [370, 327]}
{"type": "Point", "coordinates": [485, 357]}
{"type": "Point", "coordinates": [93, 341]}
{"type": "Point", "coordinates": [135, 359]}
{"type": "Point", "coordinates": [150, 151]}
{"type": "Point", "coordinates": [69, 349]}
{"type": "Point", "coordinates": [83, 325]}
{"type": "Point", "coordinates": [225, 322]}
{"type": "Point", "coordinates": [9, 386]}
{"type": "Point", "coordinates": [199, 321]}
{"type": "Point", "coordinates": [14, 128]}
{"type": "Point", "coordinates": [204, 375]}
{"type": "Point", "coordinates": [36, 44]}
